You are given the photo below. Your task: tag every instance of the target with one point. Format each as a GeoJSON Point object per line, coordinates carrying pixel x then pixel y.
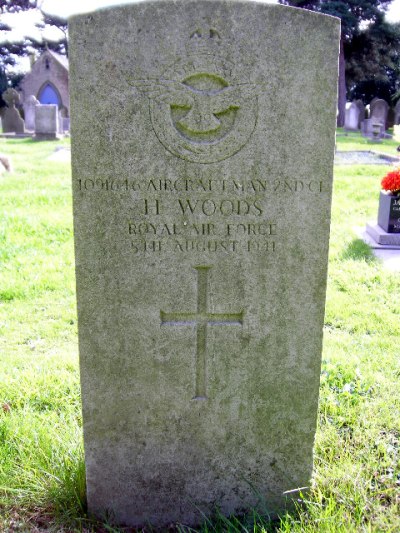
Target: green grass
{"type": "Point", "coordinates": [357, 466]}
{"type": "Point", "coordinates": [352, 140]}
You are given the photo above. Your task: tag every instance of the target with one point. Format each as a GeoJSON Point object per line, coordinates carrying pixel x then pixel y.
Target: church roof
{"type": "Point", "coordinates": [63, 60]}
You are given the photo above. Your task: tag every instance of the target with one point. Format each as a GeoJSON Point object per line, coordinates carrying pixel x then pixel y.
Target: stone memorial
{"type": "Point", "coordinates": [65, 124]}
{"type": "Point", "coordinates": [352, 116]}
{"type": "Point", "coordinates": [397, 113]}
{"type": "Point", "coordinates": [201, 214]}
{"type": "Point", "coordinates": [12, 122]}
{"type": "Point", "coordinates": [372, 128]}
{"type": "Point", "coordinates": [46, 122]}
{"type": "Point", "coordinates": [29, 110]}
{"type": "Point", "coordinates": [379, 109]}
{"type": "Point", "coordinates": [360, 104]}
{"type": "Point", "coordinates": [375, 125]}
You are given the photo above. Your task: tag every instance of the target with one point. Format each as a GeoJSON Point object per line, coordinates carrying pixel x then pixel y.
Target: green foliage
{"type": "Point", "coordinates": [373, 65]}
{"type": "Point", "coordinates": [42, 484]}
{"type": "Point", "coordinates": [9, 50]}
{"type": "Point", "coordinates": [352, 14]}
{"type": "Point", "coordinates": [3, 86]}
{"type": "Point", "coordinates": [371, 45]}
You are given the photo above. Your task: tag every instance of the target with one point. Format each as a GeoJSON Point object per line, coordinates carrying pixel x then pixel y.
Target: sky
{"type": "Point", "coordinates": [24, 23]}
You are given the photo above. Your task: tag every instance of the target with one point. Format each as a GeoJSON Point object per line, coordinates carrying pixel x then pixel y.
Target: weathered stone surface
{"type": "Point", "coordinates": [352, 116]}
{"type": "Point", "coordinates": [397, 113]}
{"type": "Point", "coordinates": [29, 109]}
{"type": "Point", "coordinates": [361, 116]}
{"type": "Point", "coordinates": [201, 211]}
{"type": "Point", "coordinates": [46, 122]}
{"type": "Point", "coordinates": [373, 128]}
{"type": "Point", "coordinates": [12, 121]}
{"type": "Point", "coordinates": [379, 111]}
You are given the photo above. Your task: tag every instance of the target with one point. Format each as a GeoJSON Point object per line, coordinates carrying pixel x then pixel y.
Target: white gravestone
{"type": "Point", "coordinates": [46, 122]}
{"type": "Point", "coordinates": [201, 213]}
{"type": "Point", "coordinates": [352, 116]}
{"type": "Point", "coordinates": [29, 111]}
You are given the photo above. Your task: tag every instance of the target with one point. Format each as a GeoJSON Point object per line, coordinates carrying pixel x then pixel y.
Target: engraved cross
{"type": "Point", "coordinates": [201, 318]}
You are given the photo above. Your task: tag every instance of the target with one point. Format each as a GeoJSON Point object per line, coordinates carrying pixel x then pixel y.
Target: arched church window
{"type": "Point", "coordinates": [47, 63]}
{"type": "Point", "coordinates": [48, 95]}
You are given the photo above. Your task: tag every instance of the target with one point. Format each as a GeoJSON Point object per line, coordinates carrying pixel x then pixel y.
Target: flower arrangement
{"type": "Point", "coordinates": [391, 182]}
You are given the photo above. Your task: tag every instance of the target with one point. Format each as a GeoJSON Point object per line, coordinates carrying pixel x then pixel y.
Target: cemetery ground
{"type": "Point", "coordinates": [356, 484]}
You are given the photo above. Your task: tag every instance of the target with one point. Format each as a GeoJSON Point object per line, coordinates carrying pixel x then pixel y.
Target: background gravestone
{"type": "Point", "coordinates": [29, 110]}
{"type": "Point", "coordinates": [361, 116]}
{"type": "Point", "coordinates": [12, 121]}
{"type": "Point", "coordinates": [352, 116]}
{"type": "Point", "coordinates": [379, 111]}
{"type": "Point", "coordinates": [46, 122]}
{"type": "Point", "coordinates": [397, 113]}
{"type": "Point", "coordinates": [201, 215]}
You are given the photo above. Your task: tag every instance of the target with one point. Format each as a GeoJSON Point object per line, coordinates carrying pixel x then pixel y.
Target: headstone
{"type": "Point", "coordinates": [397, 113]}
{"type": "Point", "coordinates": [60, 123]}
{"type": "Point", "coordinates": [65, 122]}
{"type": "Point", "coordinates": [372, 128]}
{"type": "Point", "coordinates": [360, 104]}
{"type": "Point", "coordinates": [29, 110]}
{"type": "Point", "coordinates": [46, 122]}
{"type": "Point", "coordinates": [201, 212]}
{"type": "Point", "coordinates": [351, 116]}
{"type": "Point", "coordinates": [379, 111]}
{"type": "Point", "coordinates": [11, 120]}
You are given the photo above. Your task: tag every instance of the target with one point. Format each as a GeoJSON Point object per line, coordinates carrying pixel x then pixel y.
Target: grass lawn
{"type": "Point", "coordinates": [357, 454]}
{"type": "Point", "coordinates": [352, 140]}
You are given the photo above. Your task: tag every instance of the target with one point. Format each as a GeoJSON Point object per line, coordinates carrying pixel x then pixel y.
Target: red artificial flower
{"type": "Point", "coordinates": [391, 182]}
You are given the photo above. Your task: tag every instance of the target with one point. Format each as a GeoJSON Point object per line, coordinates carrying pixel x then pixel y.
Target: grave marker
{"type": "Point", "coordinates": [29, 109]}
{"type": "Point", "coordinates": [201, 215]}
{"type": "Point", "coordinates": [379, 111]}
{"type": "Point", "coordinates": [12, 121]}
{"type": "Point", "coordinates": [46, 122]}
{"type": "Point", "coordinates": [352, 116]}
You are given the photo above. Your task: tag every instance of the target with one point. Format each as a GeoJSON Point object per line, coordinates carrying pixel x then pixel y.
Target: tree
{"type": "Point", "coordinates": [15, 6]}
{"type": "Point", "coordinates": [373, 65]}
{"type": "Point", "coordinates": [352, 14]}
{"type": "Point", "coordinates": [3, 86]}
{"type": "Point", "coordinates": [10, 50]}
{"type": "Point", "coordinates": [60, 46]}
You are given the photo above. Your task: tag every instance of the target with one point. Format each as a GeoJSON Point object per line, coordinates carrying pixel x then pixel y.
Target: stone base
{"type": "Point", "coordinates": [15, 135]}
{"type": "Point", "coordinates": [47, 137]}
{"type": "Point", "coordinates": [382, 238]}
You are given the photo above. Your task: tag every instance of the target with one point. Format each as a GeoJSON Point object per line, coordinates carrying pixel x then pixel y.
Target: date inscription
{"type": "Point", "coordinates": [184, 217]}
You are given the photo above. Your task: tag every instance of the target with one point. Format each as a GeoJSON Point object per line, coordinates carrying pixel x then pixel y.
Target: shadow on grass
{"type": "Point", "coordinates": [358, 250]}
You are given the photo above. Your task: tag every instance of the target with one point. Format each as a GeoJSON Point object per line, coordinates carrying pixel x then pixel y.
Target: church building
{"type": "Point", "coordinates": [48, 81]}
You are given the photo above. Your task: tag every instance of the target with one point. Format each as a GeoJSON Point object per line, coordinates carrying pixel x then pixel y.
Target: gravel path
{"type": "Point", "coordinates": [365, 158]}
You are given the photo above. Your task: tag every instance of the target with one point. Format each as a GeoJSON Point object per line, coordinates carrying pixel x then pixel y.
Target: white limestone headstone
{"type": "Point", "coordinates": [201, 215]}
{"type": "Point", "coordinates": [29, 111]}
{"type": "Point", "coordinates": [351, 116]}
{"type": "Point", "coordinates": [46, 122]}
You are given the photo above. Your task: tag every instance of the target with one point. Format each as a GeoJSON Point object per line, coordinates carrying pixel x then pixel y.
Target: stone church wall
{"type": "Point", "coordinates": [47, 69]}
